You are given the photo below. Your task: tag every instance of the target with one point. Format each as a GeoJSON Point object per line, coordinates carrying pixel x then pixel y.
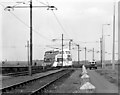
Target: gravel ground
{"type": "Point", "coordinates": [68, 85]}
{"type": "Point", "coordinates": [111, 75]}
{"type": "Point", "coordinates": [10, 81]}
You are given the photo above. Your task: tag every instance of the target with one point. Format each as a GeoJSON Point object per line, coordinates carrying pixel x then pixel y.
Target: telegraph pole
{"type": "Point", "coordinates": [12, 7]}
{"type": "Point", "coordinates": [30, 65]}
{"type": "Point", "coordinates": [28, 53]}
{"type": "Point", "coordinates": [62, 49]}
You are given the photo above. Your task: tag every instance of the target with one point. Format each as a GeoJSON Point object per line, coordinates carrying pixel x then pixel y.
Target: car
{"type": "Point", "coordinates": [93, 65]}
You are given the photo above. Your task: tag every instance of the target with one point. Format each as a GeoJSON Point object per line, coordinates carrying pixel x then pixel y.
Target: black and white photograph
{"type": "Point", "coordinates": [51, 47]}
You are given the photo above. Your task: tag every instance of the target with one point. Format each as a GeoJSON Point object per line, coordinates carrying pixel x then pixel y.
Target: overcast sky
{"type": "Point", "coordinates": [81, 20]}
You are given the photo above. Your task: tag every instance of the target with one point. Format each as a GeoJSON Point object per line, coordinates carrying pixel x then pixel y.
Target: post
{"type": "Point", "coordinates": [49, 7]}
{"type": "Point", "coordinates": [28, 51]}
{"type": "Point", "coordinates": [85, 55]}
{"type": "Point", "coordinates": [101, 50]}
{"type": "Point", "coordinates": [93, 54]}
{"type": "Point", "coordinates": [62, 49]}
{"type": "Point", "coordinates": [1, 19]}
{"type": "Point", "coordinates": [113, 50]}
{"type": "Point", "coordinates": [103, 47]}
{"type": "Point", "coordinates": [30, 66]}
{"type": "Point", "coordinates": [78, 54]}
{"type": "Point", "coordinates": [70, 44]}
{"type": "Point", "coordinates": [119, 32]}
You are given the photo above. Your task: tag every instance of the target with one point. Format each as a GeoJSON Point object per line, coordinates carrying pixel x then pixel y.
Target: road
{"type": "Point", "coordinates": [102, 85]}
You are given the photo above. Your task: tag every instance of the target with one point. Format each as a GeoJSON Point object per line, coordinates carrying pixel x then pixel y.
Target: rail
{"type": "Point", "coordinates": [38, 90]}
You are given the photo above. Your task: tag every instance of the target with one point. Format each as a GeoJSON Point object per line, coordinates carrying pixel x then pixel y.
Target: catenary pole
{"type": "Point", "coordinates": [113, 49]}
{"type": "Point", "coordinates": [62, 49]}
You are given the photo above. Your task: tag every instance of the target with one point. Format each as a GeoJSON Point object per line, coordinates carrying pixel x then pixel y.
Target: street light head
{"type": "Point", "coordinates": [53, 39]}
{"type": "Point", "coordinates": [9, 8]}
{"type": "Point", "coordinates": [20, 2]}
{"type": "Point", "coordinates": [108, 24]}
{"type": "Point", "coordinates": [52, 8]}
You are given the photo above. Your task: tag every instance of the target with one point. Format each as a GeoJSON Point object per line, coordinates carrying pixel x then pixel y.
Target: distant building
{"type": "Point", "coordinates": [119, 31]}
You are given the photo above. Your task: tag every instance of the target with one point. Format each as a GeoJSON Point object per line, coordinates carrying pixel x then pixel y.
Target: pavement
{"type": "Point", "coordinates": [102, 85]}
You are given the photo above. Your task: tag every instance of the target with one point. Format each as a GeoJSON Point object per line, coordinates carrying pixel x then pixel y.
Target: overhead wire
{"type": "Point", "coordinates": [25, 23]}
{"type": "Point", "coordinates": [28, 26]}
{"type": "Point", "coordinates": [42, 3]}
{"type": "Point", "coordinates": [59, 23]}
{"type": "Point", "coordinates": [47, 4]}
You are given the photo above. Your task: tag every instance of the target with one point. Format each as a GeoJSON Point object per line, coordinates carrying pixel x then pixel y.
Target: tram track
{"type": "Point", "coordinates": [27, 72]}
{"type": "Point", "coordinates": [34, 86]}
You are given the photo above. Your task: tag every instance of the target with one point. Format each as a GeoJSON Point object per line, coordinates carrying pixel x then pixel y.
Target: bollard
{"type": "Point", "coordinates": [83, 67]}
{"type": "Point", "coordinates": [84, 71]}
{"type": "Point", "coordinates": [87, 88]}
{"type": "Point", "coordinates": [85, 78]}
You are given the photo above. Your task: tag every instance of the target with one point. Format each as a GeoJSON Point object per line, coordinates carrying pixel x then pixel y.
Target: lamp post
{"type": "Point", "coordinates": [113, 49]}
{"type": "Point", "coordinates": [85, 56]}
{"type": "Point", "coordinates": [63, 45]}
{"type": "Point", "coordinates": [30, 6]}
{"type": "Point", "coordinates": [62, 49]}
{"type": "Point", "coordinates": [103, 46]}
{"type": "Point", "coordinates": [78, 53]}
{"type": "Point", "coordinates": [27, 51]}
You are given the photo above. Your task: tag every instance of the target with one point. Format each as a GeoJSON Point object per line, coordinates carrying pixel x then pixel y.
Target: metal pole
{"type": "Point", "coordinates": [93, 54]}
{"type": "Point", "coordinates": [8, 7]}
{"type": "Point", "coordinates": [62, 49]}
{"type": "Point", "coordinates": [101, 49]}
{"type": "Point", "coordinates": [30, 66]}
{"type": "Point", "coordinates": [119, 32]}
{"type": "Point", "coordinates": [78, 54]}
{"type": "Point", "coordinates": [102, 42]}
{"type": "Point", "coordinates": [113, 51]}
{"type": "Point", "coordinates": [70, 45]}
{"type": "Point", "coordinates": [28, 51]}
{"type": "Point", "coordinates": [85, 55]}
